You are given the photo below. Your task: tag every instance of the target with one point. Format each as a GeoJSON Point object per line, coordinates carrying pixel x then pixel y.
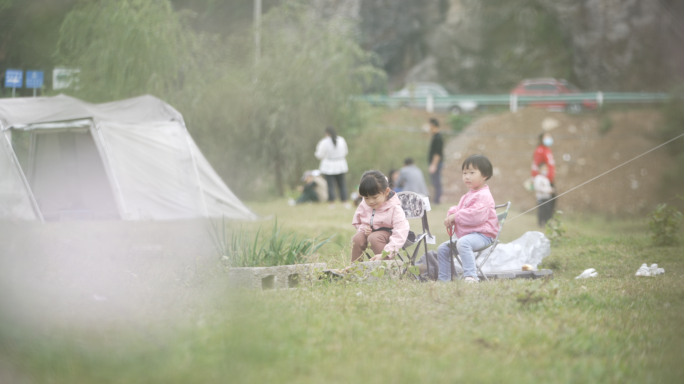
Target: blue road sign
{"type": "Point", "coordinates": [13, 78]}
{"type": "Point", "coordinates": [34, 79]}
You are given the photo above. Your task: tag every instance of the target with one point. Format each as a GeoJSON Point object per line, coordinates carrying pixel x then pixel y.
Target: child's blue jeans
{"type": "Point", "coordinates": [465, 247]}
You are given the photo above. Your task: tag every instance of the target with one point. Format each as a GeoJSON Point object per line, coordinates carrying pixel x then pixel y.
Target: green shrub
{"type": "Point", "coordinates": [281, 248]}
{"type": "Point", "coordinates": [555, 229]}
{"type": "Point", "coordinates": [606, 124]}
{"type": "Point", "coordinates": [664, 224]}
{"type": "Point", "coordinates": [459, 122]}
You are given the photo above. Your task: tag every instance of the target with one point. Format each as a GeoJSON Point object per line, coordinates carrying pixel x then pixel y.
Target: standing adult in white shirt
{"type": "Point", "coordinates": [332, 151]}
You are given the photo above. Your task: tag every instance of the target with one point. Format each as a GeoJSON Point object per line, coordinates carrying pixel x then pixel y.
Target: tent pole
{"type": "Point", "coordinates": [34, 203]}
{"type": "Point", "coordinates": [194, 164]}
{"type": "Point", "coordinates": [101, 144]}
{"type": "Point", "coordinates": [31, 166]}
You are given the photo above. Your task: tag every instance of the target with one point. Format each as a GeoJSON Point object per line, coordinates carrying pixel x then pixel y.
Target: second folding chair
{"type": "Point", "coordinates": [483, 253]}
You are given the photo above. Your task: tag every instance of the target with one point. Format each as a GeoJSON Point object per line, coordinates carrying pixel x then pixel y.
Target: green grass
{"type": "Point", "coordinates": [616, 328]}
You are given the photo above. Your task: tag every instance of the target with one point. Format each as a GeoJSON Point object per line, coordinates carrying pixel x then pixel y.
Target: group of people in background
{"type": "Point", "coordinates": [332, 151]}
{"type": "Point", "coordinates": [319, 184]}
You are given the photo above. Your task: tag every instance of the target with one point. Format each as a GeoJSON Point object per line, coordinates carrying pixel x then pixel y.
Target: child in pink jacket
{"type": "Point", "coordinates": [379, 219]}
{"type": "Point", "coordinates": [474, 219]}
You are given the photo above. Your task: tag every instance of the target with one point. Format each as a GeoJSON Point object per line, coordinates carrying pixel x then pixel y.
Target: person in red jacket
{"type": "Point", "coordinates": [544, 155]}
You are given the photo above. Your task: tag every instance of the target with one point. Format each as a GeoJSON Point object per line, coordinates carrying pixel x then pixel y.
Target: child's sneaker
{"type": "Point", "coordinates": [643, 271]}
{"type": "Point", "coordinates": [470, 280]}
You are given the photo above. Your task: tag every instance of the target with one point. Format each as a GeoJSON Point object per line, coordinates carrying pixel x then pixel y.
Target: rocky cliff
{"type": "Point", "coordinates": [489, 45]}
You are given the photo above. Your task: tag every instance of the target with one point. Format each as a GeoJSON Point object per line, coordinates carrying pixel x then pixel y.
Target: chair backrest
{"type": "Point", "coordinates": [502, 216]}
{"type": "Point", "coordinates": [412, 204]}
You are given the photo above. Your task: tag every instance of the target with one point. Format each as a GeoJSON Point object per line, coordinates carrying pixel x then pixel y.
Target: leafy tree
{"type": "Point", "coordinates": [272, 112]}
{"type": "Point", "coordinates": [125, 48]}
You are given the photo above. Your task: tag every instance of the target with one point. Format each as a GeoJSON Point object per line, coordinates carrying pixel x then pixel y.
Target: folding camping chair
{"type": "Point", "coordinates": [414, 207]}
{"type": "Point", "coordinates": [482, 253]}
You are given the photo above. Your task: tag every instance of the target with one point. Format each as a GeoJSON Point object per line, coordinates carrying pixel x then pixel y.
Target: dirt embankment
{"type": "Point", "coordinates": [581, 152]}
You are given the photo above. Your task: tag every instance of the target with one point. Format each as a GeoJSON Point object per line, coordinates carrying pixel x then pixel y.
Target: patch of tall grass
{"type": "Point", "coordinates": [239, 249]}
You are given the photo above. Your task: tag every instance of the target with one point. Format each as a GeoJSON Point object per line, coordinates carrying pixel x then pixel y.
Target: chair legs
{"type": "Point", "coordinates": [478, 266]}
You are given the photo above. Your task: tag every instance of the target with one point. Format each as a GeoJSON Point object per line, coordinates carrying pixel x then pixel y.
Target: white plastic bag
{"type": "Point", "coordinates": [530, 248]}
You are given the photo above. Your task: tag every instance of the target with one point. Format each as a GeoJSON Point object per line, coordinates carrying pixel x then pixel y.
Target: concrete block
{"type": "Point", "coordinates": [280, 277]}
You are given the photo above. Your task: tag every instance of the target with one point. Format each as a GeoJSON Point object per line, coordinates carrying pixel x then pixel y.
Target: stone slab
{"type": "Point", "coordinates": [521, 274]}
{"type": "Point", "coordinates": [280, 277]}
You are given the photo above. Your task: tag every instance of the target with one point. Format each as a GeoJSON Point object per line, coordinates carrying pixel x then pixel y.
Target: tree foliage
{"type": "Point", "coordinates": [272, 112]}
{"type": "Point", "coordinates": [125, 48]}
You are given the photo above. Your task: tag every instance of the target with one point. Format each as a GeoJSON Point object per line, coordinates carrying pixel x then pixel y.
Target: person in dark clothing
{"type": "Point", "coordinates": [308, 193]}
{"type": "Point", "coordinates": [314, 189]}
{"type": "Point", "coordinates": [436, 159]}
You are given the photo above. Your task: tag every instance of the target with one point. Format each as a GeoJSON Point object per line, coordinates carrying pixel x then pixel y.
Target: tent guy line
{"type": "Point", "coordinates": [603, 174]}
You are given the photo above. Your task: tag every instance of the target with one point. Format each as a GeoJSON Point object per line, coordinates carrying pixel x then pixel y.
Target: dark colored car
{"type": "Point", "coordinates": [553, 87]}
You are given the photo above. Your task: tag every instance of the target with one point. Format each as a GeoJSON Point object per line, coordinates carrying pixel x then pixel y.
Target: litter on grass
{"type": "Point", "coordinates": [529, 249]}
{"type": "Point", "coordinates": [653, 270]}
{"type": "Point", "coordinates": [591, 272]}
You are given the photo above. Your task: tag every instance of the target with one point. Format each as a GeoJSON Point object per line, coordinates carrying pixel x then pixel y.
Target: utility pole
{"type": "Point", "coordinates": [257, 31]}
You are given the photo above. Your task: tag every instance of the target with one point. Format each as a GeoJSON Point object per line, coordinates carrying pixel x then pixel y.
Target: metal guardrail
{"type": "Point", "coordinates": [514, 101]}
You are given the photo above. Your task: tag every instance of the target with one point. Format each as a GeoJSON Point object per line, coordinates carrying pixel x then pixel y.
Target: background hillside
{"type": "Point", "coordinates": [469, 45]}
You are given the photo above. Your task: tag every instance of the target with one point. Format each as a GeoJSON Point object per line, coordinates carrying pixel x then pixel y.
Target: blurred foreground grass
{"type": "Point", "coordinates": [614, 328]}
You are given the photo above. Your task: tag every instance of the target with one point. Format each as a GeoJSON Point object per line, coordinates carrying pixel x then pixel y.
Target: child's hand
{"type": "Point", "coordinates": [449, 221]}
{"type": "Point", "coordinates": [367, 230]}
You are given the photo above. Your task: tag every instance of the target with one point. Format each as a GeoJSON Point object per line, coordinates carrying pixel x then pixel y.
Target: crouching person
{"type": "Point", "coordinates": [379, 219]}
{"type": "Point", "coordinates": [315, 188]}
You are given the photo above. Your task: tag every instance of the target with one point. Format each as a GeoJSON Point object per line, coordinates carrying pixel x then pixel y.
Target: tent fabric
{"type": "Point", "coordinates": [18, 112]}
{"type": "Point", "coordinates": [67, 175]}
{"type": "Point", "coordinates": [135, 159]}
{"type": "Point", "coordinates": [15, 201]}
{"type": "Point", "coordinates": [153, 157]}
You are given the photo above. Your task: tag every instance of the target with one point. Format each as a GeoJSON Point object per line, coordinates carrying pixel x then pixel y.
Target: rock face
{"type": "Point", "coordinates": [398, 31]}
{"type": "Point", "coordinates": [489, 45]}
{"type": "Point", "coordinates": [623, 44]}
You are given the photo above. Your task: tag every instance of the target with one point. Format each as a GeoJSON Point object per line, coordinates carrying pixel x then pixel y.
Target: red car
{"type": "Point", "coordinates": [552, 87]}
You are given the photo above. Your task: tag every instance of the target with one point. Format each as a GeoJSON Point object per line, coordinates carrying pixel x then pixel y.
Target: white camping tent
{"type": "Point", "coordinates": [131, 159]}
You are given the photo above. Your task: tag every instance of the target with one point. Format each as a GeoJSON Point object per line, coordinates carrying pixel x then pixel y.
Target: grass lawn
{"type": "Point", "coordinates": [616, 328]}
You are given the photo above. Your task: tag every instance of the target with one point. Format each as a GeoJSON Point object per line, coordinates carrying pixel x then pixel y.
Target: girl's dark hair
{"type": "Point", "coordinates": [333, 135]}
{"type": "Point", "coordinates": [481, 163]}
{"type": "Point", "coordinates": [372, 183]}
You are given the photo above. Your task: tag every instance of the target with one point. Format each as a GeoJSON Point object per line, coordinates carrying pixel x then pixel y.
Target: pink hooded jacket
{"type": "Point", "coordinates": [388, 215]}
{"type": "Point", "coordinates": [476, 213]}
